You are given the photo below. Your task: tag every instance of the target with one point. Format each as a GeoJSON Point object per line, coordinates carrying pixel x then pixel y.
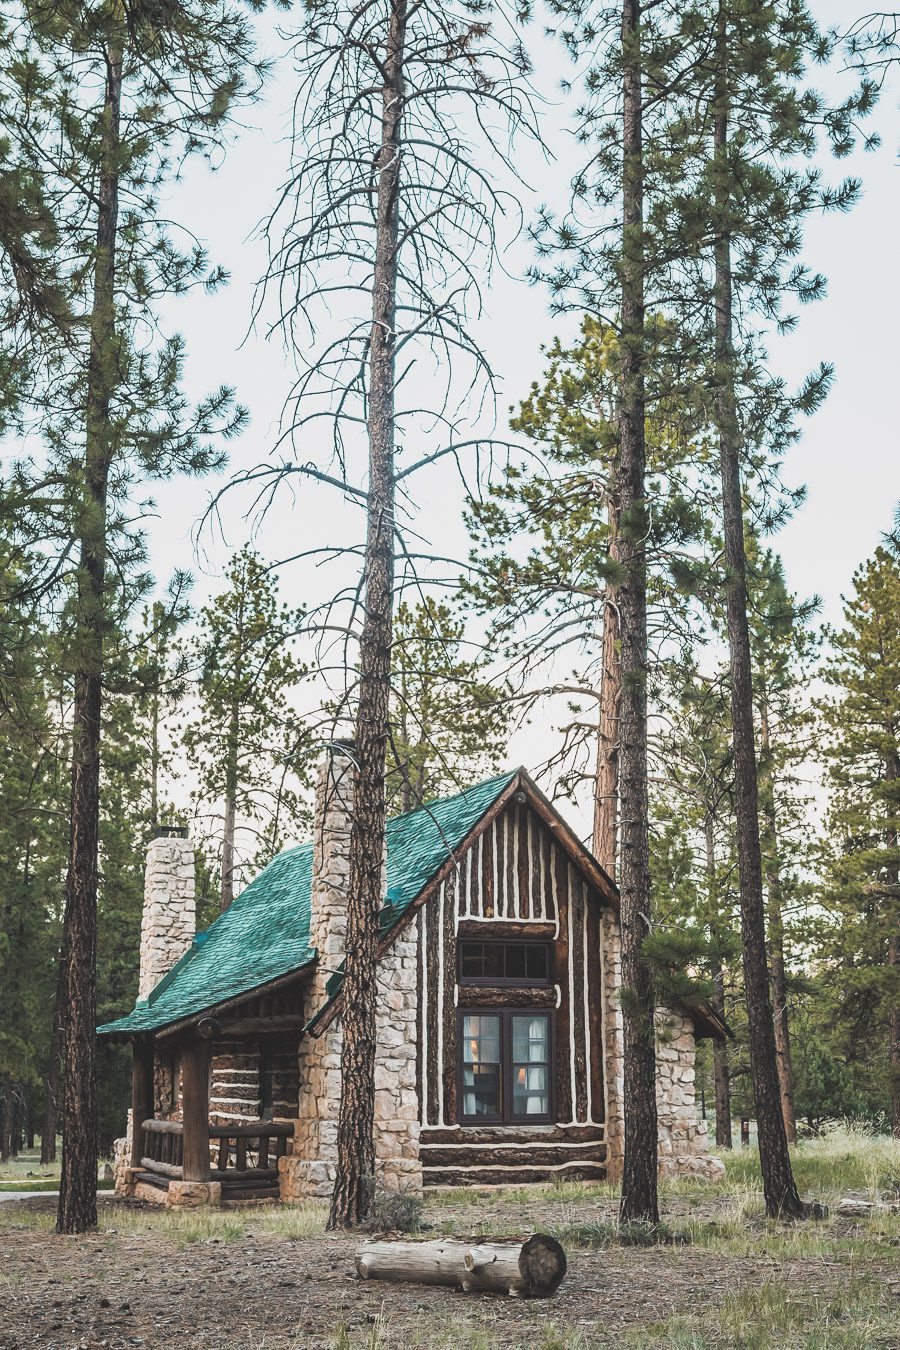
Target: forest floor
{"type": "Point", "coordinates": [272, 1279]}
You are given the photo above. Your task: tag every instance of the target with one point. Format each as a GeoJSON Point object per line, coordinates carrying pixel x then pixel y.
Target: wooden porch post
{"type": "Point", "coordinates": [195, 1089]}
{"type": "Point", "coordinates": [141, 1093]}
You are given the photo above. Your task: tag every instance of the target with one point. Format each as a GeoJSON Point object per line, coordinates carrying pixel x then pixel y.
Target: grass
{"type": "Point", "coordinates": [26, 1172]}
{"type": "Point", "coordinates": [858, 1317]}
{"type": "Point", "coordinates": [185, 1227]}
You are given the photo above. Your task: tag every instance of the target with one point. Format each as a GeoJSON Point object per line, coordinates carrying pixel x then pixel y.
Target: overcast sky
{"type": "Point", "coordinates": [848, 455]}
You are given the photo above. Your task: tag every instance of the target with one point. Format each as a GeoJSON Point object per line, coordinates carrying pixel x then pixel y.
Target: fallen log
{"type": "Point", "coordinates": [854, 1207]}
{"type": "Point", "coordinates": [534, 1268]}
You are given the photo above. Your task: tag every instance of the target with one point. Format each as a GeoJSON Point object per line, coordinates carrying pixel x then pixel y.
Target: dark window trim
{"type": "Point", "coordinates": [505, 981]}
{"type": "Point", "coordinates": [506, 1116]}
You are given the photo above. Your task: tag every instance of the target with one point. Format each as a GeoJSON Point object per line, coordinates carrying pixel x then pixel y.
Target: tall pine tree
{"type": "Point", "coordinates": [861, 890]}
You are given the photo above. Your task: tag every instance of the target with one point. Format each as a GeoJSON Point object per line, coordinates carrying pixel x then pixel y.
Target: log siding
{"type": "Point", "coordinates": [514, 879]}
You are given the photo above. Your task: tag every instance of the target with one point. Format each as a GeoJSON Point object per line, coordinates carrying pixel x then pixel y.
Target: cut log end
{"type": "Point", "coordinates": [542, 1262]}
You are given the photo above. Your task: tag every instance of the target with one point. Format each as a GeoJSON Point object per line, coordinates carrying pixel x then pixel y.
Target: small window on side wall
{"type": "Point", "coordinates": [495, 963]}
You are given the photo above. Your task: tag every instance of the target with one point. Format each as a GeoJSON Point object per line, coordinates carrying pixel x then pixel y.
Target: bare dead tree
{"type": "Point", "coordinates": [385, 230]}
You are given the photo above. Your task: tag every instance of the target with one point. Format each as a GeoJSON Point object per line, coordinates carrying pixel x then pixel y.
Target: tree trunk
{"type": "Point", "coordinates": [54, 1069]}
{"type": "Point", "coordinates": [356, 1149]}
{"type": "Point", "coordinates": [226, 894]}
{"type": "Point", "coordinates": [77, 1210]}
{"type": "Point", "coordinates": [893, 962]}
{"type": "Point", "coordinates": [721, 1070]}
{"type": "Point", "coordinates": [779, 1188]}
{"type": "Point", "coordinates": [4, 1122]}
{"type": "Point", "coordinates": [606, 790]}
{"type": "Point", "coordinates": [15, 1122]}
{"type": "Point", "coordinates": [776, 927]}
{"type": "Point", "coordinates": [639, 1174]}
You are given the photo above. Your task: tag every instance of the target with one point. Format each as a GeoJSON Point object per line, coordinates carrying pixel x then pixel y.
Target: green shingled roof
{"type": "Point", "coordinates": [265, 933]}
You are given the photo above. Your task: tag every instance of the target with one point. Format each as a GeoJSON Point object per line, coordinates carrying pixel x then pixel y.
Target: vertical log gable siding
{"type": "Point", "coordinates": [514, 871]}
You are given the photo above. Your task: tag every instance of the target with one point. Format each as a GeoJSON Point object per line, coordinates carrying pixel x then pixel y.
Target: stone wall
{"type": "Point", "coordinates": [683, 1136]}
{"type": "Point", "coordinates": [169, 919]}
{"type": "Point", "coordinates": [310, 1170]}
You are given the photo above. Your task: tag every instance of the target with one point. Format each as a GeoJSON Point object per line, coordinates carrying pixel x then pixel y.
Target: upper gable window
{"type": "Point", "coordinates": [504, 962]}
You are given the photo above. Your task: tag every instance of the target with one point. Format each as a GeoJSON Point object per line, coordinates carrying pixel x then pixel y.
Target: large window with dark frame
{"type": "Point", "coordinates": [505, 1066]}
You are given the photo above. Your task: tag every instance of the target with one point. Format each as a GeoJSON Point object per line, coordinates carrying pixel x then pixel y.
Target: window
{"type": "Point", "coordinates": [504, 963]}
{"type": "Point", "coordinates": [505, 1066]}
{"type": "Point", "coordinates": [530, 1064]}
{"type": "Point", "coordinates": [481, 1066]}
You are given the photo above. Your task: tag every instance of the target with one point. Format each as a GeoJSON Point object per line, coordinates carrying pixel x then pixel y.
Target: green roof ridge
{"type": "Point", "coordinates": [265, 934]}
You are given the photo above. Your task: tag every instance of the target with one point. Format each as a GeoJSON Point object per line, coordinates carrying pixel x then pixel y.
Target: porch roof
{"type": "Point", "coordinates": [265, 935]}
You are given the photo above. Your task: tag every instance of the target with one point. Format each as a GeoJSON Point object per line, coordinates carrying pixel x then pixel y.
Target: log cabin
{"type": "Point", "coordinates": [498, 1028]}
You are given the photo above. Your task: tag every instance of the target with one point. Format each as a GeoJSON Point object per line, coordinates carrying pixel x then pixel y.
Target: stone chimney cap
{"type": "Point", "coordinates": [170, 832]}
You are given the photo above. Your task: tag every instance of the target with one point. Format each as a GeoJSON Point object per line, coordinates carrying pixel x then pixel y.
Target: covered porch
{"type": "Point", "coordinates": [214, 1104]}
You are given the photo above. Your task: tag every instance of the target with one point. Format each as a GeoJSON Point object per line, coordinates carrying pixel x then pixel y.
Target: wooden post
{"type": "Point", "coordinates": [141, 1093]}
{"type": "Point", "coordinates": [195, 1087]}
{"type": "Point", "coordinates": [745, 1132]}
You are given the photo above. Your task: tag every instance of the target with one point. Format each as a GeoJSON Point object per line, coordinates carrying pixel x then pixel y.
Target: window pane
{"type": "Point", "coordinates": [537, 962]}
{"type": "Point", "coordinates": [481, 1065]}
{"type": "Point", "coordinates": [493, 961]}
{"type": "Point", "coordinates": [516, 961]}
{"type": "Point", "coordinates": [471, 964]}
{"type": "Point", "coordinates": [531, 1054]}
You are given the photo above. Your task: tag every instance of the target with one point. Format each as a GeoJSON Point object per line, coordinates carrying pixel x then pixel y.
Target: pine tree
{"type": "Point", "coordinates": [386, 206]}
{"type": "Point", "coordinates": [246, 743]}
{"type": "Point", "coordinates": [32, 846]}
{"type": "Point", "coordinates": [693, 852]}
{"type": "Point", "coordinates": [449, 721]}
{"type": "Point", "coordinates": [546, 566]}
{"type": "Point", "coordinates": [747, 124]}
{"type": "Point", "coordinates": [783, 649]}
{"type": "Point", "coordinates": [861, 889]}
{"type": "Point", "coordinates": [147, 82]}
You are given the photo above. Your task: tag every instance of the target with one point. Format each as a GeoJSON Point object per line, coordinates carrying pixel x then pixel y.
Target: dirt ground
{"type": "Point", "coordinates": [266, 1292]}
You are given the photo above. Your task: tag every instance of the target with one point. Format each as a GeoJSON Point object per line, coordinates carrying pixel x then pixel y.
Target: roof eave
{"type": "Point", "coordinates": [182, 1023]}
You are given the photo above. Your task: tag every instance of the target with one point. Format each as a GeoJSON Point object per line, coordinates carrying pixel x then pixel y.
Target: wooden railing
{"type": "Point", "coordinates": [243, 1153]}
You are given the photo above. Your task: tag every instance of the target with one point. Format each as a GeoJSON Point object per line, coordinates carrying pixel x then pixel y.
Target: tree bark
{"type": "Point", "coordinates": [780, 1190]}
{"type": "Point", "coordinates": [721, 1069]}
{"type": "Point", "coordinates": [354, 1184]}
{"type": "Point", "coordinates": [77, 1211]}
{"type": "Point", "coordinates": [639, 1175]}
{"type": "Point", "coordinates": [606, 790]}
{"type": "Point", "coordinates": [776, 927]}
{"type": "Point", "coordinates": [4, 1122]}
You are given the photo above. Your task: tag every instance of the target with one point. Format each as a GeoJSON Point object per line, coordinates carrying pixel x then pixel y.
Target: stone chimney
{"type": "Point", "coordinates": [335, 799]}
{"type": "Point", "coordinates": [169, 920]}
